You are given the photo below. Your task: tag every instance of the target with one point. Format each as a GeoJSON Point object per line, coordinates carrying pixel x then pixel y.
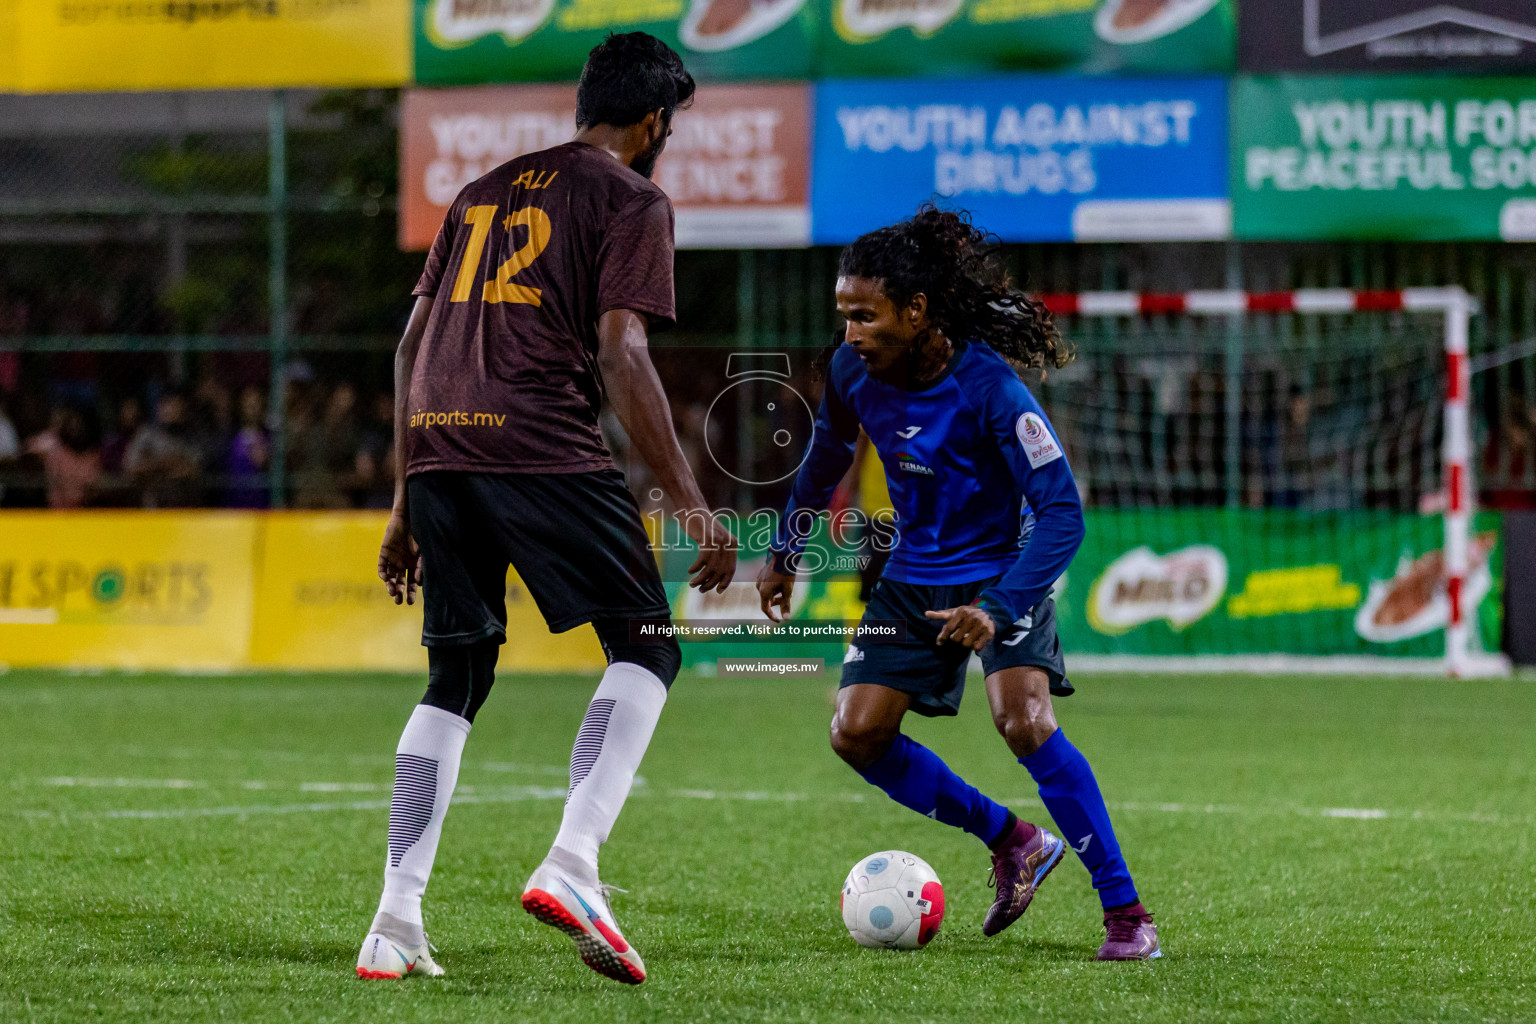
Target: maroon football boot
{"type": "Point", "coordinates": [1019, 864]}
{"type": "Point", "coordinates": [1132, 935]}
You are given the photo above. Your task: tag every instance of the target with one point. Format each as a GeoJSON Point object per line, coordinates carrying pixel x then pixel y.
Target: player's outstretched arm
{"type": "Point", "coordinates": [827, 461]}
{"type": "Point", "coordinates": [640, 402]}
{"type": "Point", "coordinates": [399, 559]}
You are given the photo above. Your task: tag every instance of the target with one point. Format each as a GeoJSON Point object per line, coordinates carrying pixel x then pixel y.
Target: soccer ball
{"type": "Point", "coordinates": [892, 900]}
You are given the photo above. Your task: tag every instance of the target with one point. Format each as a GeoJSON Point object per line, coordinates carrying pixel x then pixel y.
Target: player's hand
{"type": "Point", "coordinates": [967, 625]}
{"type": "Point", "coordinates": [400, 560]}
{"type": "Point", "coordinates": [773, 591]}
{"type": "Point", "coordinates": [715, 567]}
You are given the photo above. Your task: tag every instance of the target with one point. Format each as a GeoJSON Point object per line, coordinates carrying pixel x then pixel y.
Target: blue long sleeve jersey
{"type": "Point", "coordinates": [977, 476]}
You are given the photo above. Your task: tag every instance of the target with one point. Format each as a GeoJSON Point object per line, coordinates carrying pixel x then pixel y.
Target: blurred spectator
{"type": "Point", "coordinates": [71, 456]}
{"type": "Point", "coordinates": [1292, 480]}
{"type": "Point", "coordinates": [212, 423]}
{"type": "Point", "coordinates": [130, 417]}
{"type": "Point", "coordinates": [163, 459]}
{"type": "Point", "coordinates": [10, 448]}
{"type": "Point", "coordinates": [376, 456]}
{"type": "Point", "coordinates": [325, 457]}
{"type": "Point", "coordinates": [14, 313]}
{"type": "Point", "coordinates": [249, 454]}
{"type": "Point", "coordinates": [117, 490]}
{"type": "Point", "coordinates": [1509, 460]}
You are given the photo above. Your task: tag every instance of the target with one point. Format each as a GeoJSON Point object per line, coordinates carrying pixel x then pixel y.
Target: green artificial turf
{"type": "Point", "coordinates": [1314, 849]}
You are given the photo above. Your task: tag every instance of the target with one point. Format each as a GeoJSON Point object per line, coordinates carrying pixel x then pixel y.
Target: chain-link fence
{"type": "Point", "coordinates": [200, 294]}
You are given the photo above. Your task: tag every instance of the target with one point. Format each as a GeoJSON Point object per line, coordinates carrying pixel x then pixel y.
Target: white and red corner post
{"type": "Point", "coordinates": [1458, 481]}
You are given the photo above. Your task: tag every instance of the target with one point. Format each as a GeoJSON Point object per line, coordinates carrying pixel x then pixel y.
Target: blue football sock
{"type": "Point", "coordinates": [1071, 793]}
{"type": "Point", "coordinates": [916, 777]}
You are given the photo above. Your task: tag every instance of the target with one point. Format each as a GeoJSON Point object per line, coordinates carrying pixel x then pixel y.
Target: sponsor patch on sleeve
{"type": "Point", "coordinates": [1040, 446]}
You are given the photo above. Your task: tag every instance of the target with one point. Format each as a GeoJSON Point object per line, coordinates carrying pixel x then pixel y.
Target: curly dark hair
{"type": "Point", "coordinates": [943, 256]}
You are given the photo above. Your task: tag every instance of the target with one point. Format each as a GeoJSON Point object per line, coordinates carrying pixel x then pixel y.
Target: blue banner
{"type": "Point", "coordinates": [1034, 158]}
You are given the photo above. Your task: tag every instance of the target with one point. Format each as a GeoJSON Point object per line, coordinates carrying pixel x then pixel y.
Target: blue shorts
{"type": "Point", "coordinates": [933, 673]}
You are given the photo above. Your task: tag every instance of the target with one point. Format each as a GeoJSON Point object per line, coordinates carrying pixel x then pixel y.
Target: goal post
{"type": "Point", "coordinates": [1143, 404]}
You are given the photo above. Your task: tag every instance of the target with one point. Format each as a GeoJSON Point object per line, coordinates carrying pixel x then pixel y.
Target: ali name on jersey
{"type": "Point", "coordinates": [1039, 446]}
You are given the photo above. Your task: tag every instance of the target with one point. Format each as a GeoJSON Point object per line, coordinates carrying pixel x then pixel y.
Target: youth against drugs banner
{"type": "Point", "coordinates": [1033, 158]}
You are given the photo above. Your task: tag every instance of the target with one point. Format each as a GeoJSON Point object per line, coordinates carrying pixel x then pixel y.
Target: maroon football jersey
{"type": "Point", "coordinates": [527, 260]}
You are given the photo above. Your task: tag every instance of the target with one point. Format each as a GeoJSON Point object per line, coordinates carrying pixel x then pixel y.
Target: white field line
{"type": "Point", "coordinates": [480, 795]}
{"type": "Point", "coordinates": [505, 796]}
{"type": "Point", "coordinates": [69, 781]}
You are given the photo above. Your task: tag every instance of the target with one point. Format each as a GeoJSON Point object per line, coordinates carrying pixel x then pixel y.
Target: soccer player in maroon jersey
{"type": "Point", "coordinates": [536, 301]}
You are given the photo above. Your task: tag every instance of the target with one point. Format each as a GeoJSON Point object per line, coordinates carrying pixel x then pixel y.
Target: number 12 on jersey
{"type": "Point", "coordinates": [502, 288]}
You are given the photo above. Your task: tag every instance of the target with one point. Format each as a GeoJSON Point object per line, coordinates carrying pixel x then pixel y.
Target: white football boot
{"type": "Point", "coordinates": [394, 949]}
{"type": "Point", "coordinates": [560, 899]}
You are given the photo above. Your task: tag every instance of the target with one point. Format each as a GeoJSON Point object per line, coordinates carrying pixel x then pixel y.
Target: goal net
{"type": "Point", "coordinates": [1275, 479]}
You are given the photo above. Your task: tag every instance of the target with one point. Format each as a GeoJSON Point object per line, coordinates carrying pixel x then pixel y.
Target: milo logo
{"type": "Point", "coordinates": [455, 22]}
{"type": "Point", "coordinates": [1141, 586]}
{"type": "Point", "coordinates": [860, 21]}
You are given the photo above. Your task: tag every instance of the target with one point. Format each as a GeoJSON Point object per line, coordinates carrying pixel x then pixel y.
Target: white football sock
{"type": "Point", "coordinates": [609, 745]}
{"type": "Point", "coordinates": [426, 769]}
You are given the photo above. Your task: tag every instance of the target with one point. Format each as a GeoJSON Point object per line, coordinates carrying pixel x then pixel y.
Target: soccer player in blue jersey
{"type": "Point", "coordinates": [987, 519]}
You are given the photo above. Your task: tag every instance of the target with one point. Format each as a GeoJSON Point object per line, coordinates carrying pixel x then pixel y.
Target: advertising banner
{"type": "Point", "coordinates": [69, 45]}
{"type": "Point", "coordinates": [1461, 36]}
{"type": "Point", "coordinates": [971, 37]}
{"type": "Point", "coordinates": [1195, 582]}
{"type": "Point", "coordinates": [1178, 583]}
{"type": "Point", "coordinates": [1034, 159]}
{"type": "Point", "coordinates": [1384, 158]}
{"type": "Point", "coordinates": [147, 589]}
{"type": "Point", "coordinates": [227, 590]}
{"type": "Point", "coordinates": [548, 40]}
{"type": "Point", "coordinates": [10, 79]}
{"type": "Point", "coordinates": [737, 166]}
{"type": "Point", "coordinates": [215, 590]}
{"type": "Point", "coordinates": [320, 605]}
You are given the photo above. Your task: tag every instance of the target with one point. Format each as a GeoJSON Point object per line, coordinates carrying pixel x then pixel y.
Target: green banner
{"type": "Point", "coordinates": [459, 42]}
{"type": "Point", "coordinates": [1192, 582]}
{"type": "Point", "coordinates": [476, 41]}
{"type": "Point", "coordinates": [1384, 157]}
{"type": "Point", "coordinates": [1197, 582]}
{"type": "Point", "coordinates": [971, 37]}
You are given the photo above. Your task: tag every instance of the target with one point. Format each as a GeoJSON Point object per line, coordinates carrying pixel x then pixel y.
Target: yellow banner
{"type": "Point", "coordinates": [140, 590]}
{"type": "Point", "coordinates": [69, 45]}
{"type": "Point", "coordinates": [319, 604]}
{"type": "Point", "coordinates": [227, 590]}
{"type": "Point", "coordinates": [10, 81]}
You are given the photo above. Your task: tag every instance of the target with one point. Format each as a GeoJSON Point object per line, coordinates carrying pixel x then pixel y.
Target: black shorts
{"type": "Point", "coordinates": [575, 539]}
{"type": "Point", "coordinates": [934, 674]}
